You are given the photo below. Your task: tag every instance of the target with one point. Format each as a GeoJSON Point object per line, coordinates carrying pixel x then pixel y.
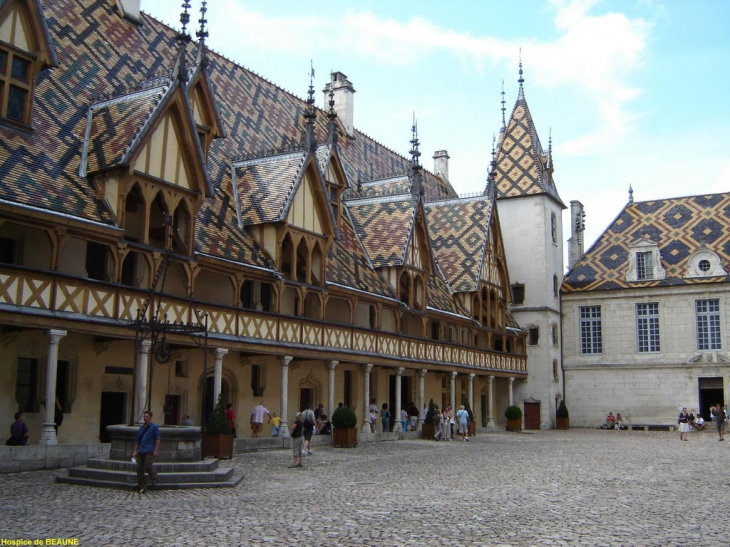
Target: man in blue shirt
{"type": "Point", "coordinates": [146, 448]}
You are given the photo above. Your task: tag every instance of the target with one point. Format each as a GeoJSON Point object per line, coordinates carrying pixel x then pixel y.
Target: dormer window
{"type": "Point", "coordinates": [645, 261]}
{"type": "Point", "coordinates": [15, 86]}
{"type": "Point", "coordinates": [704, 263]}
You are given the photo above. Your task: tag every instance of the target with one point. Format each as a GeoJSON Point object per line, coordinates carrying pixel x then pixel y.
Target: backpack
{"type": "Point", "coordinates": [308, 421]}
{"type": "Point", "coordinates": [326, 429]}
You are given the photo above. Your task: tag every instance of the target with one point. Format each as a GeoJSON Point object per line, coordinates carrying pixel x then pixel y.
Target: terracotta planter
{"type": "Point", "coordinates": [218, 446]}
{"type": "Point", "coordinates": [472, 428]}
{"type": "Point", "coordinates": [562, 423]}
{"type": "Point", "coordinates": [427, 431]}
{"type": "Point", "coordinates": [514, 424]}
{"type": "Point", "coordinates": [345, 438]}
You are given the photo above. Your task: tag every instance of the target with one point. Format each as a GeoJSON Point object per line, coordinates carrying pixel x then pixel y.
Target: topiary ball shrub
{"type": "Point", "coordinates": [344, 418]}
{"type": "Point", "coordinates": [513, 413]}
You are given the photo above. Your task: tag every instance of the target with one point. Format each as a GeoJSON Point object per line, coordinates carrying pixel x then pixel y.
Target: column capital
{"type": "Point", "coordinates": [55, 335]}
{"type": "Point", "coordinates": [144, 346]}
{"type": "Point", "coordinates": [331, 365]}
{"type": "Point", "coordinates": [490, 379]}
{"type": "Point", "coordinates": [422, 373]}
{"type": "Point", "coordinates": [472, 375]}
{"type": "Point", "coordinates": [399, 371]}
{"type": "Point", "coordinates": [285, 360]}
{"type": "Point", "coordinates": [454, 374]}
{"type": "Point", "coordinates": [367, 367]}
{"type": "Point", "coordinates": [511, 379]}
{"type": "Point", "coordinates": [220, 352]}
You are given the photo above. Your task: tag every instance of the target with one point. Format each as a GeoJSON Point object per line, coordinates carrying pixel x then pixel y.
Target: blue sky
{"type": "Point", "coordinates": [635, 92]}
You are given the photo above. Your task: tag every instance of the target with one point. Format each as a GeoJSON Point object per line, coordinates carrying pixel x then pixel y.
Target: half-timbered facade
{"type": "Point", "coordinates": [174, 227]}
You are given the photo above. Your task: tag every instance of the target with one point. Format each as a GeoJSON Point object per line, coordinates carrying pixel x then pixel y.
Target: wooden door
{"type": "Point", "coordinates": [532, 415]}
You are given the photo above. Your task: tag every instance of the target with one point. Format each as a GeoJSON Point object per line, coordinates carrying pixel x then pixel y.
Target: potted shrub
{"type": "Point", "coordinates": [344, 428]}
{"type": "Point", "coordinates": [427, 429]}
{"type": "Point", "coordinates": [218, 439]}
{"type": "Point", "coordinates": [514, 418]}
{"type": "Point", "coordinates": [472, 427]}
{"type": "Point", "coordinates": [562, 418]}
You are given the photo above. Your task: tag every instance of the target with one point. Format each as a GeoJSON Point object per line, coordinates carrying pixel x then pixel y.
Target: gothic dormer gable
{"type": "Point", "coordinates": [645, 260]}
{"type": "Point", "coordinates": [205, 109]}
{"type": "Point", "coordinates": [308, 209]}
{"type": "Point", "coordinates": [25, 50]}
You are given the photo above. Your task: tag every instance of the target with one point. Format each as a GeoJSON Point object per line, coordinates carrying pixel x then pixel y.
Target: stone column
{"type": "Point", "coordinates": [284, 402]}
{"type": "Point", "coordinates": [452, 388]}
{"type": "Point", "coordinates": [490, 402]}
{"type": "Point", "coordinates": [218, 373]}
{"type": "Point", "coordinates": [510, 381]}
{"type": "Point", "coordinates": [470, 392]}
{"type": "Point", "coordinates": [421, 396]}
{"type": "Point", "coordinates": [143, 355]}
{"type": "Point", "coordinates": [395, 413]}
{"type": "Point", "coordinates": [48, 434]}
{"type": "Point", "coordinates": [366, 397]}
{"type": "Point", "coordinates": [331, 365]}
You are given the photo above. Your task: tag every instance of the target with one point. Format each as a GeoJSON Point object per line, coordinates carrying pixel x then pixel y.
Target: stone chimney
{"type": "Point", "coordinates": [577, 228]}
{"type": "Point", "coordinates": [441, 164]}
{"type": "Point", "coordinates": [344, 96]}
{"type": "Point", "coordinates": [130, 9]}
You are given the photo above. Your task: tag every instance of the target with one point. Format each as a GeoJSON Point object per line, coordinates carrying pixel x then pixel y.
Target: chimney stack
{"type": "Point", "coordinates": [441, 164]}
{"type": "Point", "coordinates": [577, 228]}
{"type": "Point", "coordinates": [344, 96]}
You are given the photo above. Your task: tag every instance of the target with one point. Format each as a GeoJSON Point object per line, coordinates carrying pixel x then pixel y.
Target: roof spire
{"type": "Point", "coordinates": [504, 124]}
{"type": "Point", "coordinates": [631, 194]}
{"type": "Point", "coordinates": [492, 178]}
{"type": "Point", "coordinates": [332, 114]}
{"type": "Point", "coordinates": [202, 34]}
{"type": "Point", "coordinates": [309, 113]}
{"type": "Point", "coordinates": [416, 183]}
{"type": "Point", "coordinates": [550, 149]}
{"type": "Point", "coordinates": [182, 39]}
{"type": "Point", "coordinates": [521, 80]}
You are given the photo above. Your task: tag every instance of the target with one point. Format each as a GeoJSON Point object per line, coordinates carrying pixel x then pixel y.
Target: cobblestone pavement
{"type": "Point", "coordinates": [577, 487]}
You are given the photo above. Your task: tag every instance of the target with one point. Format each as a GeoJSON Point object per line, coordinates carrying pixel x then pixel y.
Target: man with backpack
{"type": "Point", "coordinates": [309, 423]}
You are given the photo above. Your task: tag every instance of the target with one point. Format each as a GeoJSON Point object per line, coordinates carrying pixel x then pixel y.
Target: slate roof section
{"type": "Point", "coordinates": [113, 125]}
{"type": "Point", "coordinates": [522, 166]}
{"type": "Point", "coordinates": [266, 185]}
{"type": "Point", "coordinates": [387, 187]}
{"type": "Point", "coordinates": [680, 226]}
{"type": "Point", "coordinates": [458, 231]}
{"type": "Point", "coordinates": [384, 225]}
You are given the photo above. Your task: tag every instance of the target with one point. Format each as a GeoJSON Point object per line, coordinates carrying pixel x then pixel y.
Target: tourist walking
{"type": "Point", "coordinates": [146, 448]}
{"type": "Point", "coordinates": [19, 433]}
{"type": "Point", "coordinates": [448, 415]}
{"type": "Point", "coordinates": [385, 418]}
{"type": "Point", "coordinates": [720, 422]}
{"type": "Point", "coordinates": [309, 422]}
{"type": "Point", "coordinates": [297, 440]}
{"type": "Point", "coordinates": [257, 419]}
{"type": "Point", "coordinates": [438, 421]}
{"type": "Point", "coordinates": [462, 416]}
{"type": "Point", "coordinates": [683, 422]}
{"type": "Point", "coordinates": [231, 415]}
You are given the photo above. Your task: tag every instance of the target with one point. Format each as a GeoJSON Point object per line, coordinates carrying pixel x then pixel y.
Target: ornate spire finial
{"type": "Point", "coordinates": [521, 80]}
{"type": "Point", "coordinates": [416, 182]}
{"type": "Point", "coordinates": [631, 194]}
{"type": "Point", "coordinates": [550, 148]}
{"type": "Point", "coordinates": [332, 114]}
{"type": "Point", "coordinates": [491, 190]}
{"type": "Point", "coordinates": [202, 34]}
{"type": "Point", "coordinates": [504, 124]}
{"type": "Point", "coordinates": [182, 38]}
{"type": "Point", "coordinates": [309, 113]}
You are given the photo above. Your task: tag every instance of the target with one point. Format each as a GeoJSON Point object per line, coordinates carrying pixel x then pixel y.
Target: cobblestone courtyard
{"type": "Point", "coordinates": [580, 487]}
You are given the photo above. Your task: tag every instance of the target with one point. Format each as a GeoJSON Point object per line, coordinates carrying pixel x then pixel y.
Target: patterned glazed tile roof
{"type": "Point", "coordinates": [265, 185]}
{"type": "Point", "coordinates": [114, 124]}
{"type": "Point", "coordinates": [458, 233]}
{"type": "Point", "coordinates": [522, 166]}
{"type": "Point", "coordinates": [440, 297]}
{"type": "Point", "coordinates": [384, 226]}
{"type": "Point", "coordinates": [679, 226]}
{"type": "Point", "coordinates": [100, 55]}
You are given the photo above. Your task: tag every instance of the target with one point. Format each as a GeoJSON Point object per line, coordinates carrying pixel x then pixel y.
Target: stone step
{"type": "Point", "coordinates": [84, 472]}
{"type": "Point", "coordinates": [234, 480]}
{"type": "Point", "coordinates": [202, 466]}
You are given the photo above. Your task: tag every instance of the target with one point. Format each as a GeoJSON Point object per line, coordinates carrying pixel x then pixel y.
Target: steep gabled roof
{"type": "Point", "coordinates": [458, 231]}
{"type": "Point", "coordinates": [679, 226]}
{"type": "Point", "coordinates": [384, 226]}
{"type": "Point", "coordinates": [523, 168]}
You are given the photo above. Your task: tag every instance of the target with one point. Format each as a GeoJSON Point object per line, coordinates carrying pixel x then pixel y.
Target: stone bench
{"type": "Point", "coordinates": [653, 427]}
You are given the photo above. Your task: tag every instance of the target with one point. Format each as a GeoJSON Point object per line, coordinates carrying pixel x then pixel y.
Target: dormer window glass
{"type": "Point", "coordinates": [704, 265]}
{"type": "Point", "coordinates": [15, 85]}
{"type": "Point", "coordinates": [644, 268]}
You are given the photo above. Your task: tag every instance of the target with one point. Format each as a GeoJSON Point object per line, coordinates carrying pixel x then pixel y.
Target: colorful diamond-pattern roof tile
{"type": "Point", "coordinates": [441, 299]}
{"type": "Point", "coordinates": [265, 185]}
{"type": "Point", "coordinates": [521, 163]}
{"type": "Point", "coordinates": [458, 233]}
{"type": "Point", "coordinates": [384, 226]}
{"type": "Point", "coordinates": [679, 226]}
{"type": "Point", "coordinates": [388, 187]}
